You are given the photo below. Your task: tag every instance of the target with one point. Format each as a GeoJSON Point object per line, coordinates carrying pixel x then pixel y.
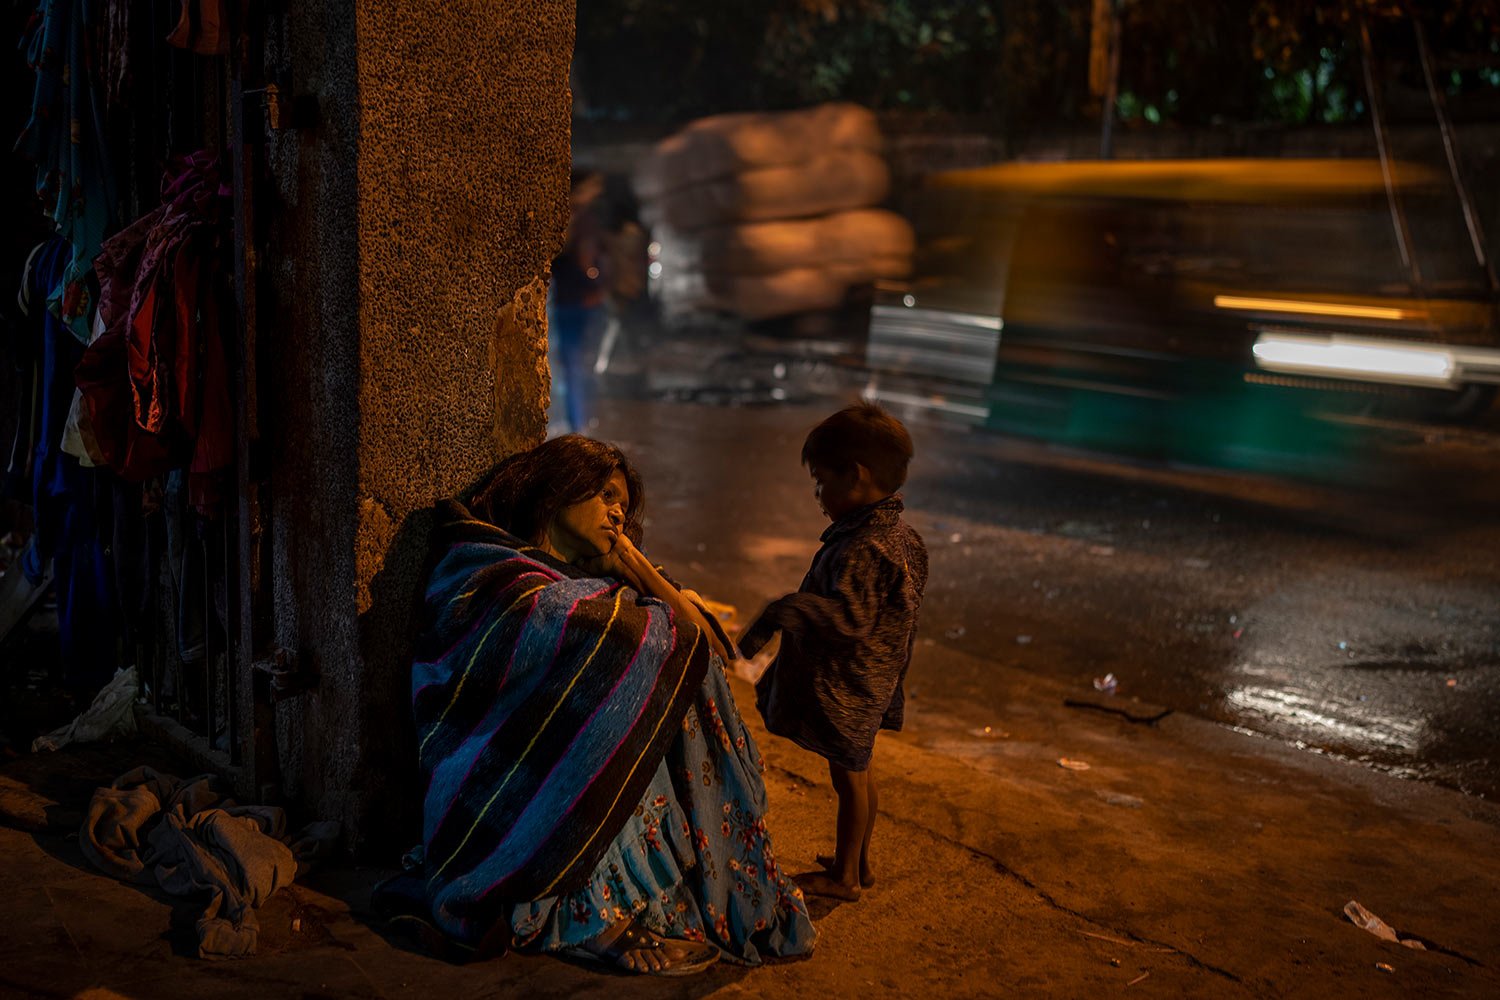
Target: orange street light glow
{"type": "Point", "coordinates": [1309, 308]}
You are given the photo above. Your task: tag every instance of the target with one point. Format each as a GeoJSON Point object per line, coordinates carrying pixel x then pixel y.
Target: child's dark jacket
{"type": "Point", "coordinates": [847, 637]}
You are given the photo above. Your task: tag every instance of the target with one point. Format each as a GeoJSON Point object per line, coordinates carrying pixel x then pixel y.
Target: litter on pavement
{"type": "Point", "coordinates": [1367, 921]}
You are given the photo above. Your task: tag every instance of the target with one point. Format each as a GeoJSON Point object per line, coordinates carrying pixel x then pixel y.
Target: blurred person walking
{"type": "Point", "coordinates": [576, 300]}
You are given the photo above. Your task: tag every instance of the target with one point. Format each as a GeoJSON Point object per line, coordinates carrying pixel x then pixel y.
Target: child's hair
{"type": "Point", "coordinates": [862, 433]}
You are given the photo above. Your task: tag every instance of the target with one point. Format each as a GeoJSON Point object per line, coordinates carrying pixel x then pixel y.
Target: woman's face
{"type": "Point", "coordinates": [589, 528]}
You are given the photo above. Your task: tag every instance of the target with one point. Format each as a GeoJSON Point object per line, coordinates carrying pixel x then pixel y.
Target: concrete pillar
{"type": "Point", "coordinates": [406, 257]}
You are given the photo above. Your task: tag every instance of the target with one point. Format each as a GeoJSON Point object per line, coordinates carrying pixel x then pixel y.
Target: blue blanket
{"type": "Point", "coordinates": [544, 702]}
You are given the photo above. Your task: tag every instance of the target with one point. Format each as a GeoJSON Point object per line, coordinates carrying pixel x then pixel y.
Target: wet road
{"type": "Point", "coordinates": [1356, 622]}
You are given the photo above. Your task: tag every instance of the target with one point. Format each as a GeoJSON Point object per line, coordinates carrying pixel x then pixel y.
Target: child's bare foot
{"type": "Point", "coordinates": [866, 877]}
{"type": "Point", "coordinates": [823, 884]}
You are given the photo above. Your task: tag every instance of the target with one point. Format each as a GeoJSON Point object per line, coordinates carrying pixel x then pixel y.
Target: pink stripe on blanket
{"type": "Point", "coordinates": [581, 729]}
{"type": "Point", "coordinates": [478, 621]}
{"type": "Point", "coordinates": [480, 752]}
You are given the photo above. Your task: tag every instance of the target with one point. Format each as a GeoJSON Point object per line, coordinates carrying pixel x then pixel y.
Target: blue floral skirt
{"type": "Point", "coordinates": [695, 860]}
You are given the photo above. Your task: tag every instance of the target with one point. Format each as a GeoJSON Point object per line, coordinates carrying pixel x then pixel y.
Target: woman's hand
{"type": "Point", "coordinates": [626, 562]}
{"type": "Point", "coordinates": [616, 562]}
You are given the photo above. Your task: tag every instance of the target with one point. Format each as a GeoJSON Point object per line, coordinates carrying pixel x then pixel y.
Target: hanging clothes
{"type": "Point", "coordinates": [72, 504]}
{"type": "Point", "coordinates": [65, 138]}
{"type": "Point", "coordinates": [114, 52]}
{"type": "Point", "coordinates": [203, 27]}
{"type": "Point", "coordinates": [155, 383]}
{"type": "Point", "coordinates": [23, 347]}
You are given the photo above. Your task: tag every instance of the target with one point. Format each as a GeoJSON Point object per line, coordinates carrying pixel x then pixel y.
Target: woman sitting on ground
{"type": "Point", "coordinates": [590, 786]}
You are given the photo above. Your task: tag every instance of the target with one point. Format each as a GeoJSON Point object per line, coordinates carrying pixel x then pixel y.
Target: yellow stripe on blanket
{"type": "Point", "coordinates": [470, 666]}
{"type": "Point", "coordinates": [698, 634]}
{"type": "Point", "coordinates": [603, 633]}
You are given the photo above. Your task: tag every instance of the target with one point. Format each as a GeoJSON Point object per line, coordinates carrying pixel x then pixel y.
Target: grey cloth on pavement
{"type": "Point", "coordinates": [183, 836]}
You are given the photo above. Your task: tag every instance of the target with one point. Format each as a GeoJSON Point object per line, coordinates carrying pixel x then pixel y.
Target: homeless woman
{"type": "Point", "coordinates": [590, 787]}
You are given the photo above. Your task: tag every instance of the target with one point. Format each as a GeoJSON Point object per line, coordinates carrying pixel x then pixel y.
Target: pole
{"type": "Point", "coordinates": [1112, 84]}
{"type": "Point", "coordinates": [1450, 150]}
{"type": "Point", "coordinates": [1398, 216]}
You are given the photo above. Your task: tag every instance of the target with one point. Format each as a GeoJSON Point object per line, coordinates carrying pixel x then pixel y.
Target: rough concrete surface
{"type": "Point", "coordinates": [1189, 860]}
{"type": "Point", "coordinates": [412, 227]}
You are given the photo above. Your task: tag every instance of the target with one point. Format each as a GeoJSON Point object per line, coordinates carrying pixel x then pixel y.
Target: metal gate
{"type": "Point", "coordinates": [215, 707]}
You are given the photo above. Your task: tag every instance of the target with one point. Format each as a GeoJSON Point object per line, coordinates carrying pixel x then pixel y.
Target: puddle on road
{"type": "Point", "coordinates": [1299, 716]}
{"type": "Point", "coordinates": [1427, 720]}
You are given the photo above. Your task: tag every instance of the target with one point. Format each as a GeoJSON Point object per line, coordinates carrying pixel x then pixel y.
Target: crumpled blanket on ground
{"type": "Point", "coordinates": [184, 836]}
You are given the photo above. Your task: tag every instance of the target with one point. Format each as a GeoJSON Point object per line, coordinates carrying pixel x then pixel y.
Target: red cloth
{"type": "Point", "coordinates": [156, 381]}
{"type": "Point", "coordinates": [202, 27]}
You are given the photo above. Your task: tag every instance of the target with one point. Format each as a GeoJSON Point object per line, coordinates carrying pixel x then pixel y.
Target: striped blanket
{"type": "Point", "coordinates": [544, 701]}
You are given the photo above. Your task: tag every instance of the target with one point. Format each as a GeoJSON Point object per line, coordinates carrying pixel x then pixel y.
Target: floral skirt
{"type": "Point", "coordinates": [695, 860]}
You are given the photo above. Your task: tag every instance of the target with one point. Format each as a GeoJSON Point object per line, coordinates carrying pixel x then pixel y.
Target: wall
{"type": "Point", "coordinates": [414, 224]}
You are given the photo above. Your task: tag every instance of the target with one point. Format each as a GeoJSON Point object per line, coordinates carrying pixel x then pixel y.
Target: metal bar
{"type": "Point", "coordinates": [156, 652]}
{"type": "Point", "coordinates": [1450, 150]}
{"type": "Point", "coordinates": [209, 615]}
{"type": "Point", "coordinates": [1112, 87]}
{"type": "Point", "coordinates": [231, 633]}
{"type": "Point", "coordinates": [251, 698]}
{"type": "Point", "coordinates": [1398, 216]}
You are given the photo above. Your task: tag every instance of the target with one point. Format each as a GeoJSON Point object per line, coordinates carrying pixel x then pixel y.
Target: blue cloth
{"type": "Point", "coordinates": [583, 760]}
{"type": "Point", "coordinates": [65, 138]}
{"type": "Point", "coordinates": [694, 860]}
{"type": "Point", "coordinates": [544, 699]}
{"type": "Point", "coordinates": [71, 516]}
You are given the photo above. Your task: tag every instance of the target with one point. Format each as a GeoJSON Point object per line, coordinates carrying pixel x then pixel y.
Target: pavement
{"type": "Point", "coordinates": [1188, 859]}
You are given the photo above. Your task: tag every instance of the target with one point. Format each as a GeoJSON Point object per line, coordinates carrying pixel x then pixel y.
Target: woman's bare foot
{"type": "Point", "coordinates": [866, 877]}
{"type": "Point", "coordinates": [631, 948]}
{"type": "Point", "coordinates": [823, 884]}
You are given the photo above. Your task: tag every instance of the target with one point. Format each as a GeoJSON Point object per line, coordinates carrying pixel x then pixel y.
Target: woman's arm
{"type": "Point", "coordinates": [627, 562]}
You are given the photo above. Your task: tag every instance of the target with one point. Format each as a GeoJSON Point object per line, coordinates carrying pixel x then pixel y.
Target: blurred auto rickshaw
{"type": "Point", "coordinates": [1219, 311]}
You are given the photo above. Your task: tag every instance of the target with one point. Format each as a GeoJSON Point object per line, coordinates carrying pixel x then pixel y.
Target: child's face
{"type": "Point", "coordinates": [837, 493]}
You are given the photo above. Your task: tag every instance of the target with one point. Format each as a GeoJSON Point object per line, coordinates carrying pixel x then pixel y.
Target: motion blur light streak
{"type": "Point", "coordinates": [1355, 358]}
{"type": "Point", "coordinates": [1311, 308]}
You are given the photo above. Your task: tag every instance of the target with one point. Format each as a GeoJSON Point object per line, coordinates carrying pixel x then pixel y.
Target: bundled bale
{"type": "Point", "coordinates": [768, 214]}
{"type": "Point", "coordinates": [829, 182]}
{"type": "Point", "coordinates": [761, 247]}
{"type": "Point", "coordinates": [725, 145]}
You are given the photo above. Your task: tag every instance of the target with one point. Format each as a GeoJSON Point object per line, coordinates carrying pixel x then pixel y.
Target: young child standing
{"type": "Point", "coordinates": [847, 634]}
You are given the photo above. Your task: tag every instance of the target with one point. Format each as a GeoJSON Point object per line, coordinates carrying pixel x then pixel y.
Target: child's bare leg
{"type": "Point", "coordinates": [866, 872]}
{"type": "Point", "coordinates": [842, 878]}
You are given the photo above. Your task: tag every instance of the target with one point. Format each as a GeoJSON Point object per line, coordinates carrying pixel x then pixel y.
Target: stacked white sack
{"type": "Point", "coordinates": [767, 214]}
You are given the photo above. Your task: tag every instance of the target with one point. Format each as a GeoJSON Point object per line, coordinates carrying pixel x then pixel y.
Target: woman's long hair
{"type": "Point", "coordinates": [526, 491]}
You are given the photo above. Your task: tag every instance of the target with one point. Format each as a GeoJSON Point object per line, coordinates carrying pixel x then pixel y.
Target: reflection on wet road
{"type": "Point", "coordinates": [1286, 711]}
{"type": "Point", "coordinates": [1351, 622]}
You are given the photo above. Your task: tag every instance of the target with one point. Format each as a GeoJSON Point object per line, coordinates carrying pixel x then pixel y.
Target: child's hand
{"type": "Point", "coordinates": [752, 639]}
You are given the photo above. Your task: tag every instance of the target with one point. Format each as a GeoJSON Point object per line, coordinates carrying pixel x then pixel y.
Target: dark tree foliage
{"type": "Point", "coordinates": [667, 60]}
{"type": "Point", "coordinates": [1019, 63]}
